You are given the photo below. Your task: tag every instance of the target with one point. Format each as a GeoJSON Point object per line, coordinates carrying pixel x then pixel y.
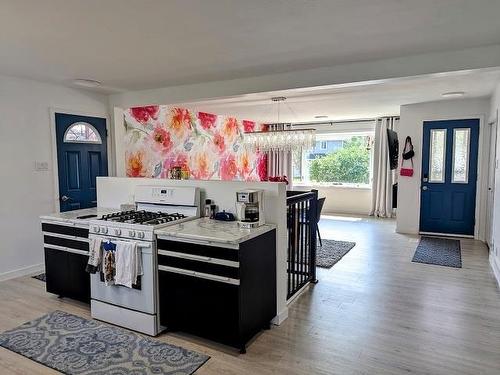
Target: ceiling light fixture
{"type": "Point", "coordinates": [86, 82]}
{"type": "Point", "coordinates": [453, 94]}
{"type": "Point", "coordinates": [280, 137]}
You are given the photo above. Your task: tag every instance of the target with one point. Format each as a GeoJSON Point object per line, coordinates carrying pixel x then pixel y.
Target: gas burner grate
{"type": "Point", "coordinates": [142, 217]}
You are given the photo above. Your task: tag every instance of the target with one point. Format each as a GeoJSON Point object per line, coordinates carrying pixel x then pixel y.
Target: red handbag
{"type": "Point", "coordinates": [408, 150]}
{"type": "Point", "coordinates": [406, 172]}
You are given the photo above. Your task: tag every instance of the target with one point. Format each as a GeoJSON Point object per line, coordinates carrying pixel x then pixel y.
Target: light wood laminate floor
{"type": "Point", "coordinates": [375, 312]}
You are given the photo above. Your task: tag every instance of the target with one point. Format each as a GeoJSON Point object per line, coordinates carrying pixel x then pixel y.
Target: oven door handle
{"type": "Point", "coordinates": [138, 243]}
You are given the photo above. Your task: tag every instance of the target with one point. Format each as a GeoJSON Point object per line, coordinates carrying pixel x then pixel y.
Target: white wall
{"type": "Point", "coordinates": [113, 191]}
{"type": "Point", "coordinates": [411, 124]}
{"type": "Point", "coordinates": [495, 252]}
{"type": "Point", "coordinates": [343, 200]}
{"type": "Point", "coordinates": [25, 137]}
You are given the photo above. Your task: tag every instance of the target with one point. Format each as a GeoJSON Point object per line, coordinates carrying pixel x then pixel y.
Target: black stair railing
{"type": "Point", "coordinates": [302, 222]}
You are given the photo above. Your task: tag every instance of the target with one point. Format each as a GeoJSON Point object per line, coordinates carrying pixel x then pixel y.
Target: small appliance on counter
{"type": "Point", "coordinates": [224, 216]}
{"type": "Point", "coordinates": [250, 208]}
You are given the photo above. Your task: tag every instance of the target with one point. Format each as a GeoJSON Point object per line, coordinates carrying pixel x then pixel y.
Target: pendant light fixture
{"type": "Point", "coordinates": [280, 136]}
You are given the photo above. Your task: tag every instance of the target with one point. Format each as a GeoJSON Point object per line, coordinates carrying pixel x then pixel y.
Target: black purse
{"type": "Point", "coordinates": [408, 146]}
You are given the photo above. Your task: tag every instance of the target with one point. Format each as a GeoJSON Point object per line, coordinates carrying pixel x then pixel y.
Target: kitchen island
{"type": "Point", "coordinates": [216, 280]}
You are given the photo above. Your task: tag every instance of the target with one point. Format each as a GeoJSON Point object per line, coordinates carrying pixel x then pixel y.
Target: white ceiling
{"type": "Point", "coordinates": [131, 44]}
{"type": "Point", "coordinates": [356, 101]}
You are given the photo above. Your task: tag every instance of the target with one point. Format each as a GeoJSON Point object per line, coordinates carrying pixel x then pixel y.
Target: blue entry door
{"type": "Point", "coordinates": [81, 157]}
{"type": "Point", "coordinates": [449, 176]}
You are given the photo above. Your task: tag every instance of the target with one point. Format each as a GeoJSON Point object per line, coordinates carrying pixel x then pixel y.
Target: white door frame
{"type": "Point", "coordinates": [490, 198]}
{"type": "Point", "coordinates": [53, 136]}
{"type": "Point", "coordinates": [482, 172]}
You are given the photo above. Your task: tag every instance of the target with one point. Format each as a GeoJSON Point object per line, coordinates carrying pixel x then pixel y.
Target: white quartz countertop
{"type": "Point", "coordinates": [72, 216]}
{"type": "Point", "coordinates": [205, 229]}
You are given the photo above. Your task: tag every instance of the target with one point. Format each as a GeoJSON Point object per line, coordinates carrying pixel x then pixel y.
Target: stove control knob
{"type": "Point", "coordinates": [104, 230]}
{"type": "Point", "coordinates": [118, 231]}
{"type": "Point", "coordinates": [131, 233]}
{"type": "Point", "coordinates": [140, 234]}
{"type": "Point", "coordinates": [95, 229]}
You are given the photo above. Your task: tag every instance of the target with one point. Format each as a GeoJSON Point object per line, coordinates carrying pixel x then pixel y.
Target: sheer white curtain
{"type": "Point", "coordinates": [383, 176]}
{"type": "Point", "coordinates": [279, 163]}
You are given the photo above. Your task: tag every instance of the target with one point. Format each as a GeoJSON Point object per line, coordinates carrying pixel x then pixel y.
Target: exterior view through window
{"type": "Point", "coordinates": [336, 159]}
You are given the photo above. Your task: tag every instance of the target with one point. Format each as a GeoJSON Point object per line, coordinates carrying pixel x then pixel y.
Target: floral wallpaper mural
{"type": "Point", "coordinates": [208, 146]}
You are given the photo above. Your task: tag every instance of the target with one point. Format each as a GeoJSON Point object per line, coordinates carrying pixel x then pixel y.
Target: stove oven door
{"type": "Point", "coordinates": [141, 299]}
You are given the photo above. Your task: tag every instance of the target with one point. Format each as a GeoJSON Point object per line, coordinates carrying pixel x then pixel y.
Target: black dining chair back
{"type": "Point", "coordinates": [321, 202]}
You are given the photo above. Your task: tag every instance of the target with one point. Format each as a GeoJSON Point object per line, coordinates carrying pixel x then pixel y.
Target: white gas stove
{"type": "Point", "coordinates": [157, 207]}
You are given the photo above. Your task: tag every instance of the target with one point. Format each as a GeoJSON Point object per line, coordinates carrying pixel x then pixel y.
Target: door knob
{"type": "Point", "coordinates": [424, 187]}
{"type": "Point", "coordinates": [65, 198]}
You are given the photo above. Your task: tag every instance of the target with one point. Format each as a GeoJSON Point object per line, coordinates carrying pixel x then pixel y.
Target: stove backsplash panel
{"type": "Point", "coordinates": [208, 146]}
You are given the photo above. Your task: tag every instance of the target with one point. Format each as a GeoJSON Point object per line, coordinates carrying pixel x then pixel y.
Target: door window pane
{"type": "Point", "coordinates": [82, 132]}
{"type": "Point", "coordinates": [461, 141]}
{"type": "Point", "coordinates": [437, 157]}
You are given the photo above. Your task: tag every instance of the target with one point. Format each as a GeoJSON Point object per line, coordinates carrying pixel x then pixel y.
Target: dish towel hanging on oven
{"type": "Point", "coordinates": [128, 259]}
{"type": "Point", "coordinates": [108, 263]}
{"type": "Point", "coordinates": [95, 255]}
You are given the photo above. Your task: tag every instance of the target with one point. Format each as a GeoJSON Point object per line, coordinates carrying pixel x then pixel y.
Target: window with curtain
{"type": "Point", "coordinates": [340, 159]}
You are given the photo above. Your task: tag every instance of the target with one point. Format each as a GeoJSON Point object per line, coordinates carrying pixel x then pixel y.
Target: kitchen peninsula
{"type": "Point", "coordinates": [191, 264]}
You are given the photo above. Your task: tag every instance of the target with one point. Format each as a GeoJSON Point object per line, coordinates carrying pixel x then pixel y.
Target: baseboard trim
{"type": "Point", "coordinates": [22, 272]}
{"type": "Point", "coordinates": [495, 267]}
{"type": "Point", "coordinates": [298, 294]}
{"type": "Point", "coordinates": [281, 317]}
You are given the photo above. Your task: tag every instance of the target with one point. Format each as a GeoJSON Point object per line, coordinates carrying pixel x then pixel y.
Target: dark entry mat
{"type": "Point", "coordinates": [439, 251]}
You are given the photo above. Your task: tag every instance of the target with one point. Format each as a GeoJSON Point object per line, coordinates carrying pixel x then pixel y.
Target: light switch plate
{"type": "Point", "coordinates": [41, 166]}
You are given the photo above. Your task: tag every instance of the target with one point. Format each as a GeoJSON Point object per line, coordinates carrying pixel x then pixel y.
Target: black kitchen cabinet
{"type": "Point", "coordinates": [203, 307]}
{"type": "Point", "coordinates": [79, 278]}
{"type": "Point", "coordinates": [56, 271]}
{"type": "Point", "coordinates": [223, 294]}
{"type": "Point", "coordinates": [65, 275]}
{"type": "Point", "coordinates": [66, 255]}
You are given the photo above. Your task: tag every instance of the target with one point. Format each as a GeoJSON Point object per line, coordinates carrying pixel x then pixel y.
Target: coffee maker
{"type": "Point", "coordinates": [250, 208]}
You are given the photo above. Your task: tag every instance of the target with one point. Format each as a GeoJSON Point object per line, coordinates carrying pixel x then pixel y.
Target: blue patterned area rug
{"type": "Point", "coordinates": [74, 345]}
{"type": "Point", "coordinates": [438, 251]}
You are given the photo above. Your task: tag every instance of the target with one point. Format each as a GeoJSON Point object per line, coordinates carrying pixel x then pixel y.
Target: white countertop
{"type": "Point", "coordinates": [72, 216]}
{"type": "Point", "coordinates": [205, 229]}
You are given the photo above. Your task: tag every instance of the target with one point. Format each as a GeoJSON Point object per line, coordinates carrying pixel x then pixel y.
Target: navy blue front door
{"type": "Point", "coordinates": [449, 176]}
{"type": "Point", "coordinates": [81, 157]}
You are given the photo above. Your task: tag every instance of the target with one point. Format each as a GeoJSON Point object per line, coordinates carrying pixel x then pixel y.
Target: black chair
{"type": "Point", "coordinates": [321, 202]}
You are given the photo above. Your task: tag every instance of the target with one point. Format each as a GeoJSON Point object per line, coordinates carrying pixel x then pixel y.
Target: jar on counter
{"type": "Point", "coordinates": [208, 210]}
{"type": "Point", "coordinates": [213, 211]}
